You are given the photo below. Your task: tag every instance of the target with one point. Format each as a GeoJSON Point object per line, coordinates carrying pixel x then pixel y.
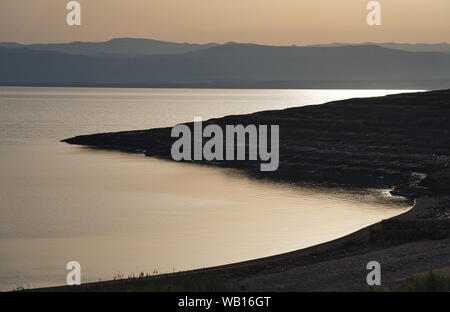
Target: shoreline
{"type": "Point", "coordinates": [377, 142]}
{"type": "Point", "coordinates": [427, 226]}
{"type": "Point", "coordinates": [380, 142]}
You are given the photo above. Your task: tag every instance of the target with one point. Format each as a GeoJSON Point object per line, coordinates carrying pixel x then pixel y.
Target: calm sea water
{"type": "Point", "coordinates": [119, 214]}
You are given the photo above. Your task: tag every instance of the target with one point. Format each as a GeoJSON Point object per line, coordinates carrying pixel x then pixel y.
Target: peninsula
{"type": "Point", "coordinates": [401, 142]}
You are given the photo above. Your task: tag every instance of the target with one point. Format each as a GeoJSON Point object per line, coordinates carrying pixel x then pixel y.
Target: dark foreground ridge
{"type": "Point", "coordinates": [399, 141]}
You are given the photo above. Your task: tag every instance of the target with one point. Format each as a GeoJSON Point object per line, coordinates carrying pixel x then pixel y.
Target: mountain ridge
{"type": "Point", "coordinates": [116, 46]}
{"type": "Point", "coordinates": [144, 46]}
{"type": "Point", "coordinates": [232, 65]}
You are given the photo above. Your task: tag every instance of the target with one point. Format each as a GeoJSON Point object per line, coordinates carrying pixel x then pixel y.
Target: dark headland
{"type": "Point", "coordinates": [398, 141]}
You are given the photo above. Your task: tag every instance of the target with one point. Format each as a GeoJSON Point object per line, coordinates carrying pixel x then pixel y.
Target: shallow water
{"type": "Point", "coordinates": [119, 213]}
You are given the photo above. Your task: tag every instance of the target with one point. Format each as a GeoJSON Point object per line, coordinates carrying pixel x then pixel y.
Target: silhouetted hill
{"type": "Point", "coordinates": [234, 65]}
{"type": "Point", "coordinates": [120, 46]}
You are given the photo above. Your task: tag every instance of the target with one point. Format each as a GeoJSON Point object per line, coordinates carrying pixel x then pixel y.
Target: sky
{"type": "Point", "coordinates": [276, 22]}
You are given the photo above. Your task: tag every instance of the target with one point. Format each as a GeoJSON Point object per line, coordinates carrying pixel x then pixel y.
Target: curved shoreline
{"type": "Point", "coordinates": [426, 224]}
{"type": "Point", "coordinates": [378, 142]}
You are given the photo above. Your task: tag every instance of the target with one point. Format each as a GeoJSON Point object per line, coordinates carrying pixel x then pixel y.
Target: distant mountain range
{"type": "Point", "coordinates": [120, 47]}
{"type": "Point", "coordinates": [136, 46]}
{"type": "Point", "coordinates": [151, 63]}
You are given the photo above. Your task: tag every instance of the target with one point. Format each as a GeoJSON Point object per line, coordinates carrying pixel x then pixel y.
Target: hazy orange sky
{"type": "Point", "coordinates": [280, 22]}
